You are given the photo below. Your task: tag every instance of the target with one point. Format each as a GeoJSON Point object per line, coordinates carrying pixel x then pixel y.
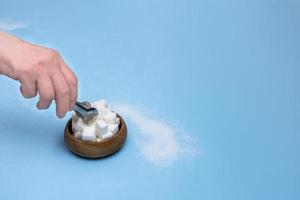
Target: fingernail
{"type": "Point", "coordinates": [61, 115]}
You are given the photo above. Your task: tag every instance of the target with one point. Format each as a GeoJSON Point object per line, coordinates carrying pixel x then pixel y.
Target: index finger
{"type": "Point", "coordinates": [72, 82]}
{"type": "Point", "coordinates": [62, 94]}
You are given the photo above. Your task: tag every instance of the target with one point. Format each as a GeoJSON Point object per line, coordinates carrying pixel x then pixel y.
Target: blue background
{"type": "Point", "coordinates": [228, 72]}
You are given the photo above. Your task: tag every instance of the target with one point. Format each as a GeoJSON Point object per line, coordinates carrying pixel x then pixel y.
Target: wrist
{"type": "Point", "coordinates": [8, 44]}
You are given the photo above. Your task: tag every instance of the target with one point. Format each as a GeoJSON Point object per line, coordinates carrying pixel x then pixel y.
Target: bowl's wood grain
{"type": "Point", "coordinates": [100, 149]}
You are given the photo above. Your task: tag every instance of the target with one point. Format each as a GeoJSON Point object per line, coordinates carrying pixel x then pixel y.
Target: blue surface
{"type": "Point", "coordinates": [227, 72]}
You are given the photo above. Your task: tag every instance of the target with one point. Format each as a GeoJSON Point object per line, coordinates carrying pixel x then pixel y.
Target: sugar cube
{"type": "Point", "coordinates": [118, 121]}
{"type": "Point", "coordinates": [79, 125]}
{"type": "Point", "coordinates": [101, 127]}
{"type": "Point", "coordinates": [110, 117]}
{"type": "Point", "coordinates": [77, 134]}
{"type": "Point", "coordinates": [75, 118]}
{"type": "Point", "coordinates": [89, 133]}
{"type": "Point", "coordinates": [107, 135]}
{"type": "Point", "coordinates": [102, 112]}
{"type": "Point", "coordinates": [114, 128]}
{"type": "Point", "coordinates": [99, 104]}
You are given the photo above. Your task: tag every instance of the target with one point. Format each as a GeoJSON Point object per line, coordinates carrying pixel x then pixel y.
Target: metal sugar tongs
{"type": "Point", "coordinates": [85, 111]}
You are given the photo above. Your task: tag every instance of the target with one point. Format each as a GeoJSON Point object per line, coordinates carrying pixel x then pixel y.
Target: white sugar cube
{"type": "Point", "coordinates": [101, 127]}
{"type": "Point", "coordinates": [102, 112]}
{"type": "Point", "coordinates": [89, 133]}
{"type": "Point", "coordinates": [79, 125]}
{"type": "Point", "coordinates": [75, 118]}
{"type": "Point", "coordinates": [77, 134]}
{"type": "Point", "coordinates": [114, 128]}
{"type": "Point", "coordinates": [107, 135]}
{"type": "Point", "coordinates": [110, 117]}
{"type": "Point", "coordinates": [99, 104]}
{"type": "Point", "coordinates": [118, 121]}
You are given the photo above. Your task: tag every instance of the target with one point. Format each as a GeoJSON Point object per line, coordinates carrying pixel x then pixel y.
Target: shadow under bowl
{"type": "Point", "coordinates": [89, 149]}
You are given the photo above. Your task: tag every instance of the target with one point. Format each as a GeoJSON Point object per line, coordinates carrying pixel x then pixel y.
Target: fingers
{"type": "Point", "coordinates": [46, 92]}
{"type": "Point", "coordinates": [45, 72]}
{"type": "Point", "coordinates": [62, 94]}
{"type": "Point", "coordinates": [28, 88]}
{"type": "Point", "coordinates": [72, 82]}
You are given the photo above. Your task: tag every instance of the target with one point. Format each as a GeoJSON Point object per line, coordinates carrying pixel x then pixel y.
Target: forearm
{"type": "Point", "coordinates": [3, 60]}
{"type": "Point", "coordinates": [8, 44]}
{"type": "Point", "coordinates": [2, 64]}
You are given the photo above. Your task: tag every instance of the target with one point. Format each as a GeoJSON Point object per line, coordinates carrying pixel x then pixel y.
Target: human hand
{"type": "Point", "coordinates": [39, 70]}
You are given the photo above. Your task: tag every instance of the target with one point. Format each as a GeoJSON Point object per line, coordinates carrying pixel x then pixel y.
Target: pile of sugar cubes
{"type": "Point", "coordinates": [102, 127]}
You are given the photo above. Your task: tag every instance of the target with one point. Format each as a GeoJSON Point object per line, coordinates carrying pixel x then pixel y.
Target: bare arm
{"type": "Point", "coordinates": [39, 70]}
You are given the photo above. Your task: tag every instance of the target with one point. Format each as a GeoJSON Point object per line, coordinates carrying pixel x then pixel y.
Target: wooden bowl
{"type": "Point", "coordinates": [100, 149]}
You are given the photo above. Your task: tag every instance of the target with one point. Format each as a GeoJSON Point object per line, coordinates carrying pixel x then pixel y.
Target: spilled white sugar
{"type": "Point", "coordinates": [10, 25]}
{"type": "Point", "coordinates": [104, 126]}
{"type": "Point", "coordinates": [159, 142]}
